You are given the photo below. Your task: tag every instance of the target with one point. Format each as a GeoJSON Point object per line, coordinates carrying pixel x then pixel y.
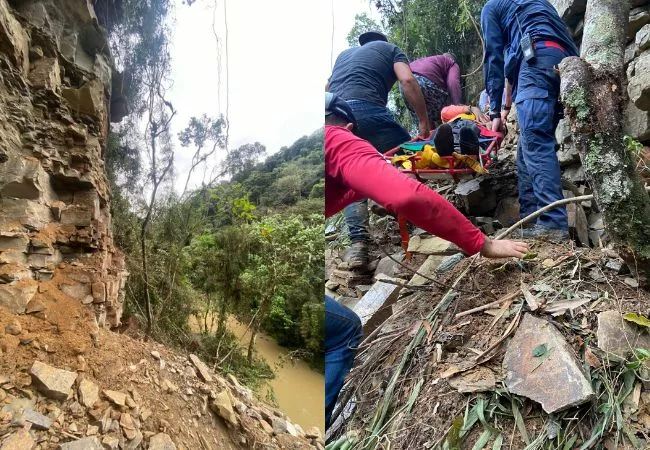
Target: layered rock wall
{"type": "Point", "coordinates": [55, 222]}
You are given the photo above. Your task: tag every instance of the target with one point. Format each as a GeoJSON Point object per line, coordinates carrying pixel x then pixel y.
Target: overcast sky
{"type": "Point", "coordinates": [278, 62]}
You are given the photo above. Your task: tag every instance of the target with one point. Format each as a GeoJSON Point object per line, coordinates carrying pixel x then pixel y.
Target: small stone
{"type": "Point", "coordinates": [204, 371]}
{"type": "Point", "coordinates": [374, 306]}
{"type": "Point", "coordinates": [20, 440]}
{"type": "Point", "coordinates": [631, 282]}
{"type": "Point", "coordinates": [134, 443]}
{"type": "Point", "coordinates": [552, 378]}
{"type": "Point", "coordinates": [14, 328]}
{"type": "Point", "coordinates": [265, 426]}
{"type": "Point", "coordinates": [130, 402]}
{"type": "Point", "coordinates": [314, 433]}
{"type": "Point", "coordinates": [126, 421]}
{"type": "Point", "coordinates": [77, 410]}
{"type": "Point", "coordinates": [111, 442]}
{"type": "Point", "coordinates": [430, 246]}
{"type": "Point", "coordinates": [222, 405]}
{"type": "Point", "coordinates": [476, 380]}
{"type": "Point", "coordinates": [88, 393]}
{"type": "Point", "coordinates": [92, 430]}
{"type": "Point", "coordinates": [155, 354]}
{"type": "Point", "coordinates": [38, 420]}
{"type": "Point", "coordinates": [331, 285]}
{"type": "Point", "coordinates": [168, 386]}
{"type": "Point", "coordinates": [87, 443]}
{"type": "Point", "coordinates": [51, 382]}
{"type": "Point", "coordinates": [161, 441]}
{"type": "Point", "coordinates": [117, 397]}
{"type": "Point", "coordinates": [281, 425]}
{"type": "Point", "coordinates": [617, 337]}
{"type": "Point", "coordinates": [145, 414]}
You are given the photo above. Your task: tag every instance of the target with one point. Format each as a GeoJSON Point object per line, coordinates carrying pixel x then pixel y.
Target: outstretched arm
{"type": "Point", "coordinates": [364, 170]}
{"type": "Point", "coordinates": [453, 85]}
{"type": "Point", "coordinates": [413, 95]}
{"type": "Point", "coordinates": [493, 64]}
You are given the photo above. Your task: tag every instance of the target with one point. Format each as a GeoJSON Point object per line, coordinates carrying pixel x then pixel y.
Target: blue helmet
{"type": "Point", "coordinates": [336, 105]}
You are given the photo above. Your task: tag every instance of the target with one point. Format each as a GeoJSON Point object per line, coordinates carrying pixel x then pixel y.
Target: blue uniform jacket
{"type": "Point", "coordinates": [502, 33]}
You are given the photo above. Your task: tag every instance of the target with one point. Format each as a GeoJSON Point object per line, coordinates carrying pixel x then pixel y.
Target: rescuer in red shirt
{"type": "Point", "coordinates": [355, 170]}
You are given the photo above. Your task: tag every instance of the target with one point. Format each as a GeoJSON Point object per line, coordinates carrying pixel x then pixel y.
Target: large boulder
{"type": "Point", "coordinates": [571, 11]}
{"type": "Point", "coordinates": [638, 87]}
{"type": "Point", "coordinates": [637, 123]}
{"type": "Point", "coordinates": [638, 18]}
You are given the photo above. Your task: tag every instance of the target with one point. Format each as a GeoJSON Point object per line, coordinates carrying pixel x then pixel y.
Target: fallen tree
{"type": "Point", "coordinates": [594, 101]}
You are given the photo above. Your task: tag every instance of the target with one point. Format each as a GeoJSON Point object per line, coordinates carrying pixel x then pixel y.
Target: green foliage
{"type": "Point", "coordinates": [285, 177]}
{"type": "Point", "coordinates": [244, 158]}
{"type": "Point", "coordinates": [362, 24]}
{"type": "Point", "coordinates": [423, 28]}
{"type": "Point", "coordinates": [285, 277]}
{"type": "Point", "coordinates": [632, 145]}
{"type": "Point", "coordinates": [251, 373]}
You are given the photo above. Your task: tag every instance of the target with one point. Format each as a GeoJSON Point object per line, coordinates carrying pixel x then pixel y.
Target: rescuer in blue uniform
{"type": "Point", "coordinates": [524, 41]}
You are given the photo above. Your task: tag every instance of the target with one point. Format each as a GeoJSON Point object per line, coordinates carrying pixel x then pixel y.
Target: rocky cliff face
{"type": "Point", "coordinates": [55, 224]}
{"type": "Point", "coordinates": [637, 62]}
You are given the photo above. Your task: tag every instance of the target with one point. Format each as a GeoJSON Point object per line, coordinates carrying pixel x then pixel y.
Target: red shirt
{"type": "Point", "coordinates": [354, 170]}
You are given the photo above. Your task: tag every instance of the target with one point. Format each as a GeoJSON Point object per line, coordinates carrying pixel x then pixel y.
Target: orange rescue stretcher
{"type": "Point", "coordinates": [418, 157]}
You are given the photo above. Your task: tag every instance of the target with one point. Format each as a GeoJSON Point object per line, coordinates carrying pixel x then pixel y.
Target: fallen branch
{"type": "Point", "coordinates": [539, 212]}
{"type": "Point", "coordinates": [415, 287]}
{"type": "Point", "coordinates": [480, 359]}
{"type": "Point", "coordinates": [505, 298]}
{"type": "Point", "coordinates": [536, 214]}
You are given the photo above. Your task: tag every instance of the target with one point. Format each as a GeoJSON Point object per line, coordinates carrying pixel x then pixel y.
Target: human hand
{"type": "Point", "coordinates": [504, 115]}
{"type": "Point", "coordinates": [497, 125]}
{"type": "Point", "coordinates": [503, 249]}
{"type": "Point", "coordinates": [424, 130]}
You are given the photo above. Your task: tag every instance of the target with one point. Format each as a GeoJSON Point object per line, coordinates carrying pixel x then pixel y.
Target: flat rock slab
{"type": "Point", "coordinates": [38, 420]}
{"type": "Point", "coordinates": [375, 302]}
{"type": "Point", "coordinates": [88, 443]}
{"type": "Point", "coordinates": [88, 393]}
{"type": "Point", "coordinates": [428, 269]}
{"type": "Point", "coordinates": [431, 246]}
{"type": "Point", "coordinates": [553, 378]}
{"type": "Point", "coordinates": [161, 441]}
{"type": "Point", "coordinates": [117, 397]}
{"type": "Point", "coordinates": [617, 337]}
{"type": "Point", "coordinates": [204, 371]}
{"type": "Point", "coordinates": [52, 382]}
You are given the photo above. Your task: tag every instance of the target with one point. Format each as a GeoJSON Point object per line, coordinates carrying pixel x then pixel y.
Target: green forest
{"type": "Point", "coordinates": [248, 242]}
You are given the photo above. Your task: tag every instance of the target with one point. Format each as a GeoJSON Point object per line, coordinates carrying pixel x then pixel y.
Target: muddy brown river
{"type": "Point", "coordinates": [299, 390]}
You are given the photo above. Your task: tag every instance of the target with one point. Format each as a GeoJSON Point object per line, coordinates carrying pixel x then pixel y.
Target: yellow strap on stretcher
{"type": "Point", "coordinates": [470, 162]}
{"type": "Point", "coordinates": [429, 159]}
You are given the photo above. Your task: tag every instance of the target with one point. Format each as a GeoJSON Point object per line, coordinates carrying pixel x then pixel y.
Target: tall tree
{"type": "Point", "coordinates": [594, 101]}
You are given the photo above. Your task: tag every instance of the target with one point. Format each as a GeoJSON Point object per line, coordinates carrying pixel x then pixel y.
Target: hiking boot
{"type": "Point", "coordinates": [444, 140]}
{"type": "Point", "coordinates": [554, 235]}
{"type": "Point", "coordinates": [357, 256]}
{"type": "Point", "coordinates": [468, 141]}
{"type": "Point", "coordinates": [376, 208]}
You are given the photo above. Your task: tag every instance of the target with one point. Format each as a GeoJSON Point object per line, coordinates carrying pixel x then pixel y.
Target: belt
{"type": "Point", "coordinates": [549, 44]}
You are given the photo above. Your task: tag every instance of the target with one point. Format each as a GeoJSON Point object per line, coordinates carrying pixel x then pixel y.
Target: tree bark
{"type": "Point", "coordinates": [594, 101]}
{"type": "Point", "coordinates": [251, 343]}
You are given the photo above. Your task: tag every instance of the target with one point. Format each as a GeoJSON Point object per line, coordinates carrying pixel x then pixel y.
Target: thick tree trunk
{"type": "Point", "coordinates": [594, 101]}
{"type": "Point", "coordinates": [251, 343]}
{"type": "Point", "coordinates": [223, 315]}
